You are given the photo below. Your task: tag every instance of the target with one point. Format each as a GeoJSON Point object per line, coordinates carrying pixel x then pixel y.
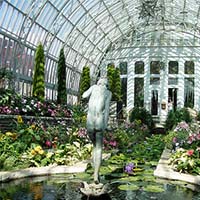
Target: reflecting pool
{"type": "Point", "coordinates": [67, 187]}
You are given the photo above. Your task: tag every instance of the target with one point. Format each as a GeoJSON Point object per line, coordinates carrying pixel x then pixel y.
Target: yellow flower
{"type": "Point", "coordinates": [33, 152]}
{"type": "Point", "coordinates": [38, 148]}
{"type": "Point", "coordinates": [19, 119]}
{"type": "Point", "coordinates": [9, 134]}
{"type": "Point", "coordinates": [41, 152]}
{"type": "Point", "coordinates": [33, 126]}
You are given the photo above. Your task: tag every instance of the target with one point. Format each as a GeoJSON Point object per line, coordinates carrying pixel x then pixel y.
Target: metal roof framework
{"type": "Point", "coordinates": [87, 29]}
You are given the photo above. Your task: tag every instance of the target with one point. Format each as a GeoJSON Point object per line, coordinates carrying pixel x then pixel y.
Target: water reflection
{"type": "Point", "coordinates": [64, 187]}
{"type": "Point", "coordinates": [102, 197]}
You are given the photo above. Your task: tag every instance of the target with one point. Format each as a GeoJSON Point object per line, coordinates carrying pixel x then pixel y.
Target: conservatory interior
{"type": "Point", "coordinates": [56, 55]}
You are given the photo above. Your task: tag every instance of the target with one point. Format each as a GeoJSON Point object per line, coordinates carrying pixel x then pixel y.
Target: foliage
{"type": "Point", "coordinates": [7, 95]}
{"type": "Point", "coordinates": [125, 135]}
{"type": "Point", "coordinates": [5, 73]}
{"type": "Point", "coordinates": [38, 77]}
{"type": "Point", "coordinates": [79, 115]}
{"type": "Point", "coordinates": [34, 145]}
{"type": "Point", "coordinates": [84, 80]}
{"type": "Point", "coordinates": [186, 161]}
{"type": "Point", "coordinates": [114, 81]}
{"type": "Point", "coordinates": [130, 166]}
{"type": "Point", "coordinates": [61, 75]}
{"type": "Point", "coordinates": [174, 117]}
{"type": "Point", "coordinates": [176, 138]}
{"type": "Point", "coordinates": [141, 114]}
{"type": "Point", "coordinates": [184, 141]}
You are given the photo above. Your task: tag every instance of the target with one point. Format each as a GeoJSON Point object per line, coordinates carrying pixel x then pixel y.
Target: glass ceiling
{"type": "Point", "coordinates": [88, 28]}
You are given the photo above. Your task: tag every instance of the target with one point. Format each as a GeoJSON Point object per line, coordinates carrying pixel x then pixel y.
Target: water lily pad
{"type": "Point", "coordinates": [128, 187]}
{"type": "Point", "coordinates": [153, 188]}
{"type": "Point", "coordinates": [138, 169]}
{"type": "Point", "coordinates": [132, 178]}
{"type": "Point", "coordinates": [149, 178]}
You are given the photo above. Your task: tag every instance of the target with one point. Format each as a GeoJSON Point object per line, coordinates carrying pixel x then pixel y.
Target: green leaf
{"type": "Point", "coordinates": [153, 188]}
{"type": "Point", "coordinates": [128, 187]}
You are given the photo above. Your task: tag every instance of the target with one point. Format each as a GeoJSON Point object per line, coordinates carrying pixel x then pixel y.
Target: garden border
{"type": "Point", "coordinates": [163, 170]}
{"type": "Point", "coordinates": [6, 176]}
{"type": "Point", "coordinates": [79, 167]}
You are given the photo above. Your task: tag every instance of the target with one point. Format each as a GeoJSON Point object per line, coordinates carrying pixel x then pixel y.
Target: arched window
{"type": "Point", "coordinates": [173, 67]}
{"type": "Point", "coordinates": [139, 67]}
{"type": "Point", "coordinates": [189, 67]}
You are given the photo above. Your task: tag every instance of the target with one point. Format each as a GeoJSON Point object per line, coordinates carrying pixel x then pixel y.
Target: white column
{"type": "Point", "coordinates": [180, 95]}
{"type": "Point", "coordinates": [130, 85]}
{"type": "Point", "coordinates": [197, 85]}
{"type": "Point", "coordinates": [147, 92]}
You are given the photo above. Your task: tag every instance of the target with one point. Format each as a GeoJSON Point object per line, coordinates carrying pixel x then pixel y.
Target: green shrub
{"type": "Point", "coordinates": [143, 115]}
{"type": "Point", "coordinates": [61, 75]}
{"type": "Point", "coordinates": [84, 81]}
{"type": "Point", "coordinates": [174, 117]}
{"type": "Point", "coordinates": [38, 76]}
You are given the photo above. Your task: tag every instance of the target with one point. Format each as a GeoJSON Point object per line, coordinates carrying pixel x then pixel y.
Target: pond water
{"type": "Point", "coordinates": [65, 187]}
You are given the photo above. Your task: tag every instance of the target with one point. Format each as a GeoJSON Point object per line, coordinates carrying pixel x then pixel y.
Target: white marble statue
{"type": "Point", "coordinates": [97, 119]}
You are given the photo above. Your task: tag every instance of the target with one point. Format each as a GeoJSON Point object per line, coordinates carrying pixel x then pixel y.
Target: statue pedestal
{"type": "Point", "coordinates": [94, 189]}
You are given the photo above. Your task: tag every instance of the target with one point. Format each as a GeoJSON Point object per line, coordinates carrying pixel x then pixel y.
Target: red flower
{"type": "Point", "coordinates": [190, 152]}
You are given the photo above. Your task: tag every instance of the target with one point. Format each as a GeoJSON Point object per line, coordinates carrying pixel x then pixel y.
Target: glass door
{"type": "Point", "coordinates": [172, 98]}
{"type": "Point", "coordinates": [154, 102]}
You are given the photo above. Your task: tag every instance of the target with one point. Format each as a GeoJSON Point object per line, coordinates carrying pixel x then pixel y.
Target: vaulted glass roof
{"type": "Point", "coordinates": [89, 28]}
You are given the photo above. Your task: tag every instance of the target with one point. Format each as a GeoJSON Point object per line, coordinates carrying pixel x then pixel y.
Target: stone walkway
{"type": "Point", "coordinates": [163, 170]}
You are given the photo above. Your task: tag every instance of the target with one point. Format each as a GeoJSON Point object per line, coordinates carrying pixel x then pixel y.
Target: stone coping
{"type": "Point", "coordinates": [6, 176]}
{"type": "Point", "coordinates": [163, 170]}
{"type": "Point", "coordinates": [79, 167]}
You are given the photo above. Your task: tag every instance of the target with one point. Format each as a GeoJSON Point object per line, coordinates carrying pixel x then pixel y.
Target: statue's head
{"type": "Point", "coordinates": [103, 81]}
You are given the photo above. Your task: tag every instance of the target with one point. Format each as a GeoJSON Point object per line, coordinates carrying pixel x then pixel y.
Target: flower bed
{"type": "Point", "coordinates": [8, 122]}
{"type": "Point", "coordinates": [184, 143]}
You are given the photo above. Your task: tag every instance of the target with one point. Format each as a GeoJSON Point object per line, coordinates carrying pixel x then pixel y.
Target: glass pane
{"type": "Point", "coordinates": [189, 67]}
{"type": "Point", "coordinates": [172, 81]}
{"type": "Point", "coordinates": [155, 67]}
{"type": "Point", "coordinates": [139, 92]}
{"type": "Point", "coordinates": [154, 81]}
{"type": "Point", "coordinates": [123, 68]}
{"type": "Point", "coordinates": [173, 67]}
{"type": "Point", "coordinates": [189, 92]}
{"type": "Point", "coordinates": [139, 67]}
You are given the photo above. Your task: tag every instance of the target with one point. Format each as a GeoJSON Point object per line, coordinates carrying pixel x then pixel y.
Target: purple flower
{"type": "Point", "coordinates": [129, 168]}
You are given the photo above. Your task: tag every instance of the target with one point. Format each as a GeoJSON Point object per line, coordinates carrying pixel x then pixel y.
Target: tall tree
{"type": "Point", "coordinates": [38, 89]}
{"type": "Point", "coordinates": [85, 80]}
{"type": "Point", "coordinates": [61, 75]}
{"type": "Point", "coordinates": [113, 75]}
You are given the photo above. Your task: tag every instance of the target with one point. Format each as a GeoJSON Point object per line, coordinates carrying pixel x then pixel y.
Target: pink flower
{"type": "Point", "coordinates": [174, 140]}
{"type": "Point", "coordinates": [191, 139]}
{"type": "Point", "coordinates": [190, 152]}
{"type": "Point", "coordinates": [113, 143]}
{"type": "Point", "coordinates": [82, 132]}
{"type": "Point", "coordinates": [198, 136]}
{"type": "Point", "coordinates": [48, 143]}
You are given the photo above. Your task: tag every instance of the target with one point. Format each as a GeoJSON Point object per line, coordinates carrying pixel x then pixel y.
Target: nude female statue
{"type": "Point", "coordinates": [97, 119]}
